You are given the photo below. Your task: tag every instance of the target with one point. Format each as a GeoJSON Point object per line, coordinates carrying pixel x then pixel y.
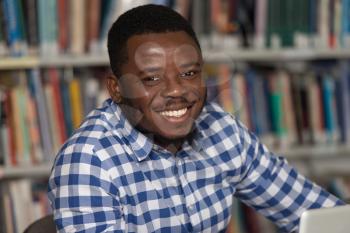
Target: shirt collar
{"type": "Point", "coordinates": [139, 143]}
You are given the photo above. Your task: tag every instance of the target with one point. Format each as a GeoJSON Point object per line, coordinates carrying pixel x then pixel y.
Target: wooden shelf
{"type": "Point", "coordinates": [42, 170]}
{"type": "Point", "coordinates": [282, 55]}
{"type": "Point", "coordinates": [323, 152]}
{"type": "Point", "coordinates": [75, 61]}
{"type": "Point", "coordinates": [19, 63]}
{"type": "Point", "coordinates": [210, 55]}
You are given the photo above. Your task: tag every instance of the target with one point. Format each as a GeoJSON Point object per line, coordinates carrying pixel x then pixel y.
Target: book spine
{"type": "Point", "coordinates": [34, 78]}
{"type": "Point", "coordinates": [11, 16]}
{"type": "Point", "coordinates": [76, 104]}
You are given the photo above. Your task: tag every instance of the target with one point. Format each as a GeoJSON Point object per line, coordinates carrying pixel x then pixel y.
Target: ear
{"type": "Point", "coordinates": [113, 88]}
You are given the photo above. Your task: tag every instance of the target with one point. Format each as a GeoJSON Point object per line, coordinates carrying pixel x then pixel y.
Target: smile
{"type": "Point", "coordinates": [176, 113]}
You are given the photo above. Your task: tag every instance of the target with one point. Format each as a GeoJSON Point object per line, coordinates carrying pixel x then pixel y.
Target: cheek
{"type": "Point", "coordinates": [198, 87]}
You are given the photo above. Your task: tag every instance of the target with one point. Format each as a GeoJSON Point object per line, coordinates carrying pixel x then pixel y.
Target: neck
{"type": "Point", "coordinates": [173, 145]}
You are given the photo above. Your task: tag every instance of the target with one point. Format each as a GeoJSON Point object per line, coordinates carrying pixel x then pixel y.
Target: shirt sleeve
{"type": "Point", "coordinates": [81, 194]}
{"type": "Point", "coordinates": [275, 189]}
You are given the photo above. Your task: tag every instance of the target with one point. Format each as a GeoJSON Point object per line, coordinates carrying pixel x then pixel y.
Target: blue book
{"type": "Point", "coordinates": [36, 89]}
{"type": "Point", "coordinates": [12, 24]}
{"type": "Point", "coordinates": [251, 79]}
{"type": "Point", "coordinates": [345, 24]}
{"type": "Point", "coordinates": [343, 102]}
{"type": "Point", "coordinates": [328, 92]}
{"type": "Point", "coordinates": [66, 103]}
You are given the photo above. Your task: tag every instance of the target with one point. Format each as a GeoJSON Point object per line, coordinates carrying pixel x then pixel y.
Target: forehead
{"type": "Point", "coordinates": [158, 44]}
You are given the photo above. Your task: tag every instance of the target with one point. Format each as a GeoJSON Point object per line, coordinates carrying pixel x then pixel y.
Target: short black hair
{"type": "Point", "coordinates": [140, 20]}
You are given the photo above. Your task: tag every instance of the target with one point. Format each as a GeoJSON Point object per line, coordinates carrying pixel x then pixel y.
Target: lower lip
{"type": "Point", "coordinates": [178, 119]}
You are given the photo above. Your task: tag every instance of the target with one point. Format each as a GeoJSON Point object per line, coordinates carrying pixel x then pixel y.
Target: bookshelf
{"type": "Point", "coordinates": [80, 55]}
{"type": "Point", "coordinates": [210, 55]}
{"type": "Point", "coordinates": [36, 171]}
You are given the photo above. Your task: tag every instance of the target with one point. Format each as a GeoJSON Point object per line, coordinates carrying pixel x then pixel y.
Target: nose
{"type": "Point", "coordinates": [174, 87]}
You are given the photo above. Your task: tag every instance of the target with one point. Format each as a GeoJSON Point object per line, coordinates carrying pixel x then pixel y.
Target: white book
{"type": "Point", "coordinates": [20, 191]}
{"type": "Point", "coordinates": [77, 26]}
{"type": "Point", "coordinates": [260, 22]}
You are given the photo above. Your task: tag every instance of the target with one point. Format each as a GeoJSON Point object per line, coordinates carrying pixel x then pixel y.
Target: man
{"type": "Point", "coordinates": [157, 157]}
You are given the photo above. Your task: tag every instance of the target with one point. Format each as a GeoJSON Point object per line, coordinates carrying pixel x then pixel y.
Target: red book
{"type": "Point", "coordinates": [63, 19]}
{"type": "Point", "coordinates": [9, 123]}
{"type": "Point", "coordinates": [55, 82]}
{"type": "Point", "coordinates": [93, 24]}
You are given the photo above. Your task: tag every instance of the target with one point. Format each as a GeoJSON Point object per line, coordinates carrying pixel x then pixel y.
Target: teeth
{"type": "Point", "coordinates": [177, 113]}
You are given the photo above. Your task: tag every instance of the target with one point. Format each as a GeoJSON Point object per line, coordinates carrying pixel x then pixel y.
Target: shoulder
{"type": "Point", "coordinates": [98, 132]}
{"type": "Point", "coordinates": [215, 118]}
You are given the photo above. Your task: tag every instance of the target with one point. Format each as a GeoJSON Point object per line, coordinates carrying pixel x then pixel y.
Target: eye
{"type": "Point", "coordinates": [189, 74]}
{"type": "Point", "coordinates": [151, 80]}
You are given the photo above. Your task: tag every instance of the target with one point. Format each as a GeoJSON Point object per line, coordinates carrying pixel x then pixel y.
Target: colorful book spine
{"type": "Point", "coordinates": [37, 87]}
{"type": "Point", "coordinates": [76, 103]}
{"type": "Point", "coordinates": [13, 27]}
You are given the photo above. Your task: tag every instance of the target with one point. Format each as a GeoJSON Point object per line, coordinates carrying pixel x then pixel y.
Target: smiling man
{"type": "Point", "coordinates": [157, 157]}
{"type": "Point", "coordinates": [160, 88]}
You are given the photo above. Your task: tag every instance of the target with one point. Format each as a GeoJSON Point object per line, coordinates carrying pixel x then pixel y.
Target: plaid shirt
{"type": "Point", "coordinates": [108, 177]}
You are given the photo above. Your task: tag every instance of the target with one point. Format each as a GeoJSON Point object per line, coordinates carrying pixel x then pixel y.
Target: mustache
{"type": "Point", "coordinates": [170, 101]}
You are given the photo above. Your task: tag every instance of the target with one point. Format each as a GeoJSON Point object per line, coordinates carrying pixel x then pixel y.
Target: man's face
{"type": "Point", "coordinates": [161, 84]}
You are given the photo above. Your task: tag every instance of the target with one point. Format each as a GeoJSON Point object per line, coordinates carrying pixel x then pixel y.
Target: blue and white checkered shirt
{"type": "Point", "coordinates": [108, 177]}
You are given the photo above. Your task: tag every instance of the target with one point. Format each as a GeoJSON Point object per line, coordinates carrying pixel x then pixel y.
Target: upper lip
{"type": "Point", "coordinates": [175, 107]}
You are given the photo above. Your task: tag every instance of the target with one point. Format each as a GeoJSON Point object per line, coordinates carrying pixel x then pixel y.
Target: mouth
{"type": "Point", "coordinates": [174, 113]}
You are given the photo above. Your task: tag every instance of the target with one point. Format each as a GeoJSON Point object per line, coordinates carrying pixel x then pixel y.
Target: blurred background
{"type": "Point", "coordinates": [280, 66]}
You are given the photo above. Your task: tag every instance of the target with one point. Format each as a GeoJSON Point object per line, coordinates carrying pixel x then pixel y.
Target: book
{"type": "Point", "coordinates": [20, 192]}
{"type": "Point", "coordinates": [343, 101]}
{"type": "Point", "coordinates": [36, 152]}
{"type": "Point", "coordinates": [66, 76]}
{"type": "Point", "coordinates": [93, 25]}
{"type": "Point", "coordinates": [48, 36]}
{"type": "Point", "coordinates": [52, 116]}
{"type": "Point", "coordinates": [260, 24]}
{"type": "Point", "coordinates": [316, 112]}
{"type": "Point", "coordinates": [224, 88]}
{"type": "Point", "coordinates": [12, 17]}
{"type": "Point", "coordinates": [276, 109]}
{"type": "Point", "coordinates": [241, 103]}
{"type": "Point", "coordinates": [54, 82]}
{"type": "Point", "coordinates": [23, 137]}
{"type": "Point", "coordinates": [63, 30]}
{"type": "Point", "coordinates": [44, 126]}
{"type": "Point", "coordinates": [330, 117]}
{"type": "Point", "coordinates": [3, 33]}
{"type": "Point", "coordinates": [76, 102]}
{"type": "Point", "coordinates": [31, 25]}
{"type": "Point", "coordinates": [77, 26]}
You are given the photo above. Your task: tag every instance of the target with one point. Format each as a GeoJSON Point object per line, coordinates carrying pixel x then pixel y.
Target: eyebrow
{"type": "Point", "coordinates": [158, 68]}
{"type": "Point", "coordinates": [149, 70]}
{"type": "Point", "coordinates": [190, 64]}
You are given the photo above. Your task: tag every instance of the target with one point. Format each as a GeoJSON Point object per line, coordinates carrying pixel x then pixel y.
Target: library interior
{"type": "Point", "coordinates": [281, 67]}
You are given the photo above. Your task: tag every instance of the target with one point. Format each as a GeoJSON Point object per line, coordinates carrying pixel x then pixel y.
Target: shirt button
{"type": "Point", "coordinates": [190, 207]}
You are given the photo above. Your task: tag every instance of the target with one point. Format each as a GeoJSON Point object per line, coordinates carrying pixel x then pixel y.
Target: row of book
{"type": "Point", "coordinates": [40, 109]}
{"type": "Point", "coordinates": [303, 23]}
{"type": "Point", "coordinates": [52, 27]}
{"type": "Point", "coordinates": [21, 203]}
{"type": "Point", "coordinates": [286, 108]}
{"type": "Point", "coordinates": [259, 24]}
